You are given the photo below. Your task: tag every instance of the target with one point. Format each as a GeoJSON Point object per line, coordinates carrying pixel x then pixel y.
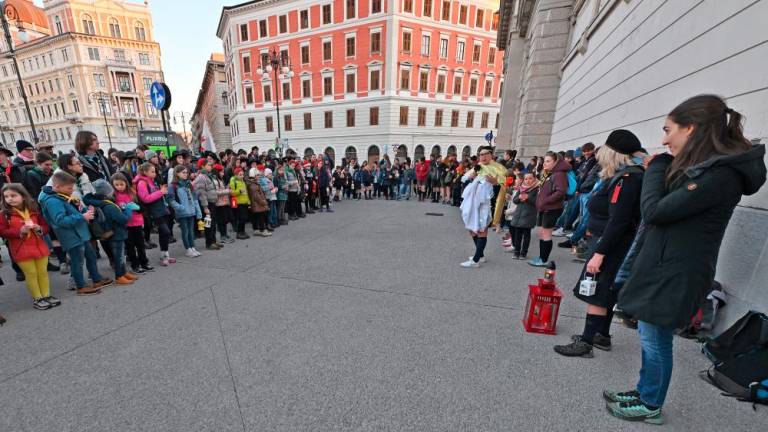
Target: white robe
{"type": "Point", "coordinates": [476, 205]}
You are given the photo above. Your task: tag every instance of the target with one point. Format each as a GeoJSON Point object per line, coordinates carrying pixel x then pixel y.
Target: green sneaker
{"type": "Point", "coordinates": [635, 411]}
{"type": "Point", "coordinates": [628, 396]}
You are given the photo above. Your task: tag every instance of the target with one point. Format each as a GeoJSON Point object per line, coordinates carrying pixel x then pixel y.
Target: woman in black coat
{"type": "Point", "coordinates": [688, 198]}
{"type": "Point", "coordinates": [614, 215]}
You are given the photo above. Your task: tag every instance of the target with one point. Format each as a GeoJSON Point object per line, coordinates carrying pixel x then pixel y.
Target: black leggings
{"type": "Point", "coordinates": [222, 215]}
{"type": "Point", "coordinates": [259, 221]}
{"type": "Point", "coordinates": [134, 247]}
{"type": "Point", "coordinates": [241, 215]}
{"type": "Point", "coordinates": [324, 197]}
{"type": "Point", "coordinates": [164, 232]}
{"type": "Point", "coordinates": [521, 239]}
{"type": "Point", "coordinates": [147, 229]}
{"type": "Point", "coordinates": [292, 207]}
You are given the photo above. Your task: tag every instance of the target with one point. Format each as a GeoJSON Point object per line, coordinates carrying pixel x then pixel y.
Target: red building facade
{"type": "Point", "coordinates": [369, 76]}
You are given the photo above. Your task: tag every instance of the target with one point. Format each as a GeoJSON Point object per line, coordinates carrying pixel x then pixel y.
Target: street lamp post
{"type": "Point", "coordinates": [10, 12]}
{"type": "Point", "coordinates": [102, 98]}
{"type": "Point", "coordinates": [280, 65]}
{"type": "Point", "coordinates": [183, 115]}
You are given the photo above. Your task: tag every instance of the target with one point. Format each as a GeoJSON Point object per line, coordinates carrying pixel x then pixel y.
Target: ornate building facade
{"type": "Point", "coordinates": [88, 61]}
{"type": "Point", "coordinates": [210, 121]}
{"type": "Point", "coordinates": [406, 77]}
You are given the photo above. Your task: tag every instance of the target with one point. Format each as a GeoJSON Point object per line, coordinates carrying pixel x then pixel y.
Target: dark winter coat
{"type": "Point", "coordinates": [96, 167]}
{"type": "Point", "coordinates": [614, 216]}
{"type": "Point", "coordinates": [116, 218]}
{"type": "Point", "coordinates": [685, 225]}
{"type": "Point", "coordinates": [524, 215]}
{"type": "Point", "coordinates": [552, 192]}
{"type": "Point", "coordinates": [34, 181]}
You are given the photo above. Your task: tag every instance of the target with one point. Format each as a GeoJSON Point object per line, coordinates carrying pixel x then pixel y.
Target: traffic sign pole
{"type": "Point", "coordinates": [167, 141]}
{"type": "Point", "coordinates": [161, 100]}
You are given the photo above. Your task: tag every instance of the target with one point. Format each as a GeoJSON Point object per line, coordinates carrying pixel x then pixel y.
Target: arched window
{"type": "Point", "coordinates": [466, 152]}
{"type": "Point", "coordinates": [373, 154]}
{"type": "Point", "coordinates": [402, 152]}
{"type": "Point", "coordinates": [435, 153]}
{"type": "Point", "coordinates": [140, 32]}
{"type": "Point", "coordinates": [57, 23]}
{"type": "Point", "coordinates": [114, 28]}
{"type": "Point", "coordinates": [88, 26]}
{"type": "Point", "coordinates": [331, 154]}
{"type": "Point", "coordinates": [350, 153]}
{"type": "Point", "coordinates": [452, 150]}
{"type": "Point", "coordinates": [418, 153]}
{"type": "Point", "coordinates": [308, 152]}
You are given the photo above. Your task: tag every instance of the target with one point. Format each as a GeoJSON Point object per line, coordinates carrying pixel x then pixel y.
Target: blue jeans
{"type": "Point", "coordinates": [78, 255]}
{"type": "Point", "coordinates": [405, 191]}
{"type": "Point", "coordinates": [272, 220]}
{"type": "Point", "coordinates": [656, 371]}
{"type": "Point", "coordinates": [187, 225]}
{"type": "Point", "coordinates": [581, 228]}
{"type": "Point", "coordinates": [118, 248]}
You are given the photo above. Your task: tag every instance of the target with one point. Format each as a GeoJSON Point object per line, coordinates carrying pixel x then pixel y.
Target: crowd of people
{"type": "Point", "coordinates": [83, 205]}
{"type": "Point", "coordinates": [647, 227]}
{"type": "Point", "coordinates": [629, 216]}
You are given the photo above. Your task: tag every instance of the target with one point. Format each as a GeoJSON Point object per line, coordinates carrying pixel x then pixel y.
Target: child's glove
{"type": "Point", "coordinates": [132, 206]}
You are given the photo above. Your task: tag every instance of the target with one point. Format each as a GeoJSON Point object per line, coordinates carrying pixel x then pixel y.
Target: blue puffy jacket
{"type": "Point", "coordinates": [116, 217]}
{"type": "Point", "coordinates": [183, 200]}
{"type": "Point", "coordinates": [65, 219]}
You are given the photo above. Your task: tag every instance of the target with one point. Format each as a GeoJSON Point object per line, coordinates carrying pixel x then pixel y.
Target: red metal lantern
{"type": "Point", "coordinates": [542, 307]}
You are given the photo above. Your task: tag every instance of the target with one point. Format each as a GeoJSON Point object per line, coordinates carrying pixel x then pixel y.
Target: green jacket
{"type": "Point", "coordinates": [239, 190]}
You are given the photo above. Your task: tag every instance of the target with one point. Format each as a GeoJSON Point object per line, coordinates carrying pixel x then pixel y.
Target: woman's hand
{"type": "Point", "coordinates": [594, 264]}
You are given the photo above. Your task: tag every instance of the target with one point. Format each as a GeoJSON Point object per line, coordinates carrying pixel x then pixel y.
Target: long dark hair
{"type": "Point", "coordinates": [29, 202]}
{"type": "Point", "coordinates": [717, 131]}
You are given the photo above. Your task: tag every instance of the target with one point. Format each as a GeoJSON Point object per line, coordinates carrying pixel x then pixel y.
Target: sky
{"type": "Point", "coordinates": [186, 32]}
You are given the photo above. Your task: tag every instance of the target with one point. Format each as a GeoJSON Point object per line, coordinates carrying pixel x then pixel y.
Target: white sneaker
{"type": "Point", "coordinates": [558, 232]}
{"type": "Point", "coordinates": [197, 252]}
{"type": "Point", "coordinates": [482, 259]}
{"type": "Point", "coordinates": [509, 249]}
{"type": "Point", "coordinates": [266, 233]}
{"type": "Point", "coordinates": [470, 264]}
{"type": "Point", "coordinates": [190, 253]}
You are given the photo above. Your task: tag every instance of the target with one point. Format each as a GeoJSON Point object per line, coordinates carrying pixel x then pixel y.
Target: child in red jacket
{"type": "Point", "coordinates": [24, 227]}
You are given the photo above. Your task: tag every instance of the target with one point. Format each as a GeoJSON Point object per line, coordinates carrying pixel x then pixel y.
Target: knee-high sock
{"type": "Point", "coordinates": [592, 325]}
{"type": "Point", "coordinates": [545, 248]}
{"type": "Point", "coordinates": [605, 330]}
{"type": "Point", "coordinates": [479, 248]}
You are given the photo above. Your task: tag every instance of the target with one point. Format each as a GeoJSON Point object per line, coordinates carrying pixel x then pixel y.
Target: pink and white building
{"type": "Point", "coordinates": [369, 76]}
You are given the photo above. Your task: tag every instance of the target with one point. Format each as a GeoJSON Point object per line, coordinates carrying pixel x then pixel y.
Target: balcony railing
{"type": "Point", "coordinates": [118, 62]}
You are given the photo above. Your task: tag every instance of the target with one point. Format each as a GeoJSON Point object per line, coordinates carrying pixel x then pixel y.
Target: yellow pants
{"type": "Point", "coordinates": [36, 274]}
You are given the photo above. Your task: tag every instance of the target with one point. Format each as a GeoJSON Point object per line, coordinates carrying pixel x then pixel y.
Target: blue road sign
{"type": "Point", "coordinates": [489, 136]}
{"type": "Point", "coordinates": [161, 96]}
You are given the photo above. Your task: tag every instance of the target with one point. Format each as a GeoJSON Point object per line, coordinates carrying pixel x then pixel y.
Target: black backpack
{"type": "Point", "coordinates": [740, 359]}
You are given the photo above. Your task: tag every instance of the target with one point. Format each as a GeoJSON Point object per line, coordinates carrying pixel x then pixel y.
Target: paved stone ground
{"type": "Point", "coordinates": [357, 321]}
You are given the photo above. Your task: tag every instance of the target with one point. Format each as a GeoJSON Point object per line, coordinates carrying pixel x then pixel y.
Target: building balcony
{"type": "Point", "coordinates": [119, 63]}
{"type": "Point", "coordinates": [73, 117]}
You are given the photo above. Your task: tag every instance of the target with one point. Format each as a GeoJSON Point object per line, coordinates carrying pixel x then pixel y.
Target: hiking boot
{"type": "Point", "coordinates": [628, 396]}
{"type": "Point", "coordinates": [575, 349]}
{"type": "Point", "coordinates": [598, 341]}
{"type": "Point", "coordinates": [87, 291]}
{"type": "Point", "coordinates": [635, 411]}
{"type": "Point", "coordinates": [538, 262]}
{"type": "Point", "coordinates": [123, 280]}
{"type": "Point", "coordinates": [103, 283]}
{"type": "Point", "coordinates": [172, 240]}
{"type": "Point", "coordinates": [64, 268]}
{"type": "Point", "coordinates": [212, 247]}
{"type": "Point", "coordinates": [53, 301]}
{"type": "Point", "coordinates": [41, 304]}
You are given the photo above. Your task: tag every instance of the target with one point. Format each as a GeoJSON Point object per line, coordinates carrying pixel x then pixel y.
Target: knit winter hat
{"type": "Point", "coordinates": [102, 187]}
{"type": "Point", "coordinates": [21, 145]}
{"type": "Point", "coordinates": [149, 154]}
{"type": "Point", "coordinates": [624, 142]}
{"type": "Point", "coordinates": [267, 172]}
{"type": "Point", "coordinates": [253, 172]}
